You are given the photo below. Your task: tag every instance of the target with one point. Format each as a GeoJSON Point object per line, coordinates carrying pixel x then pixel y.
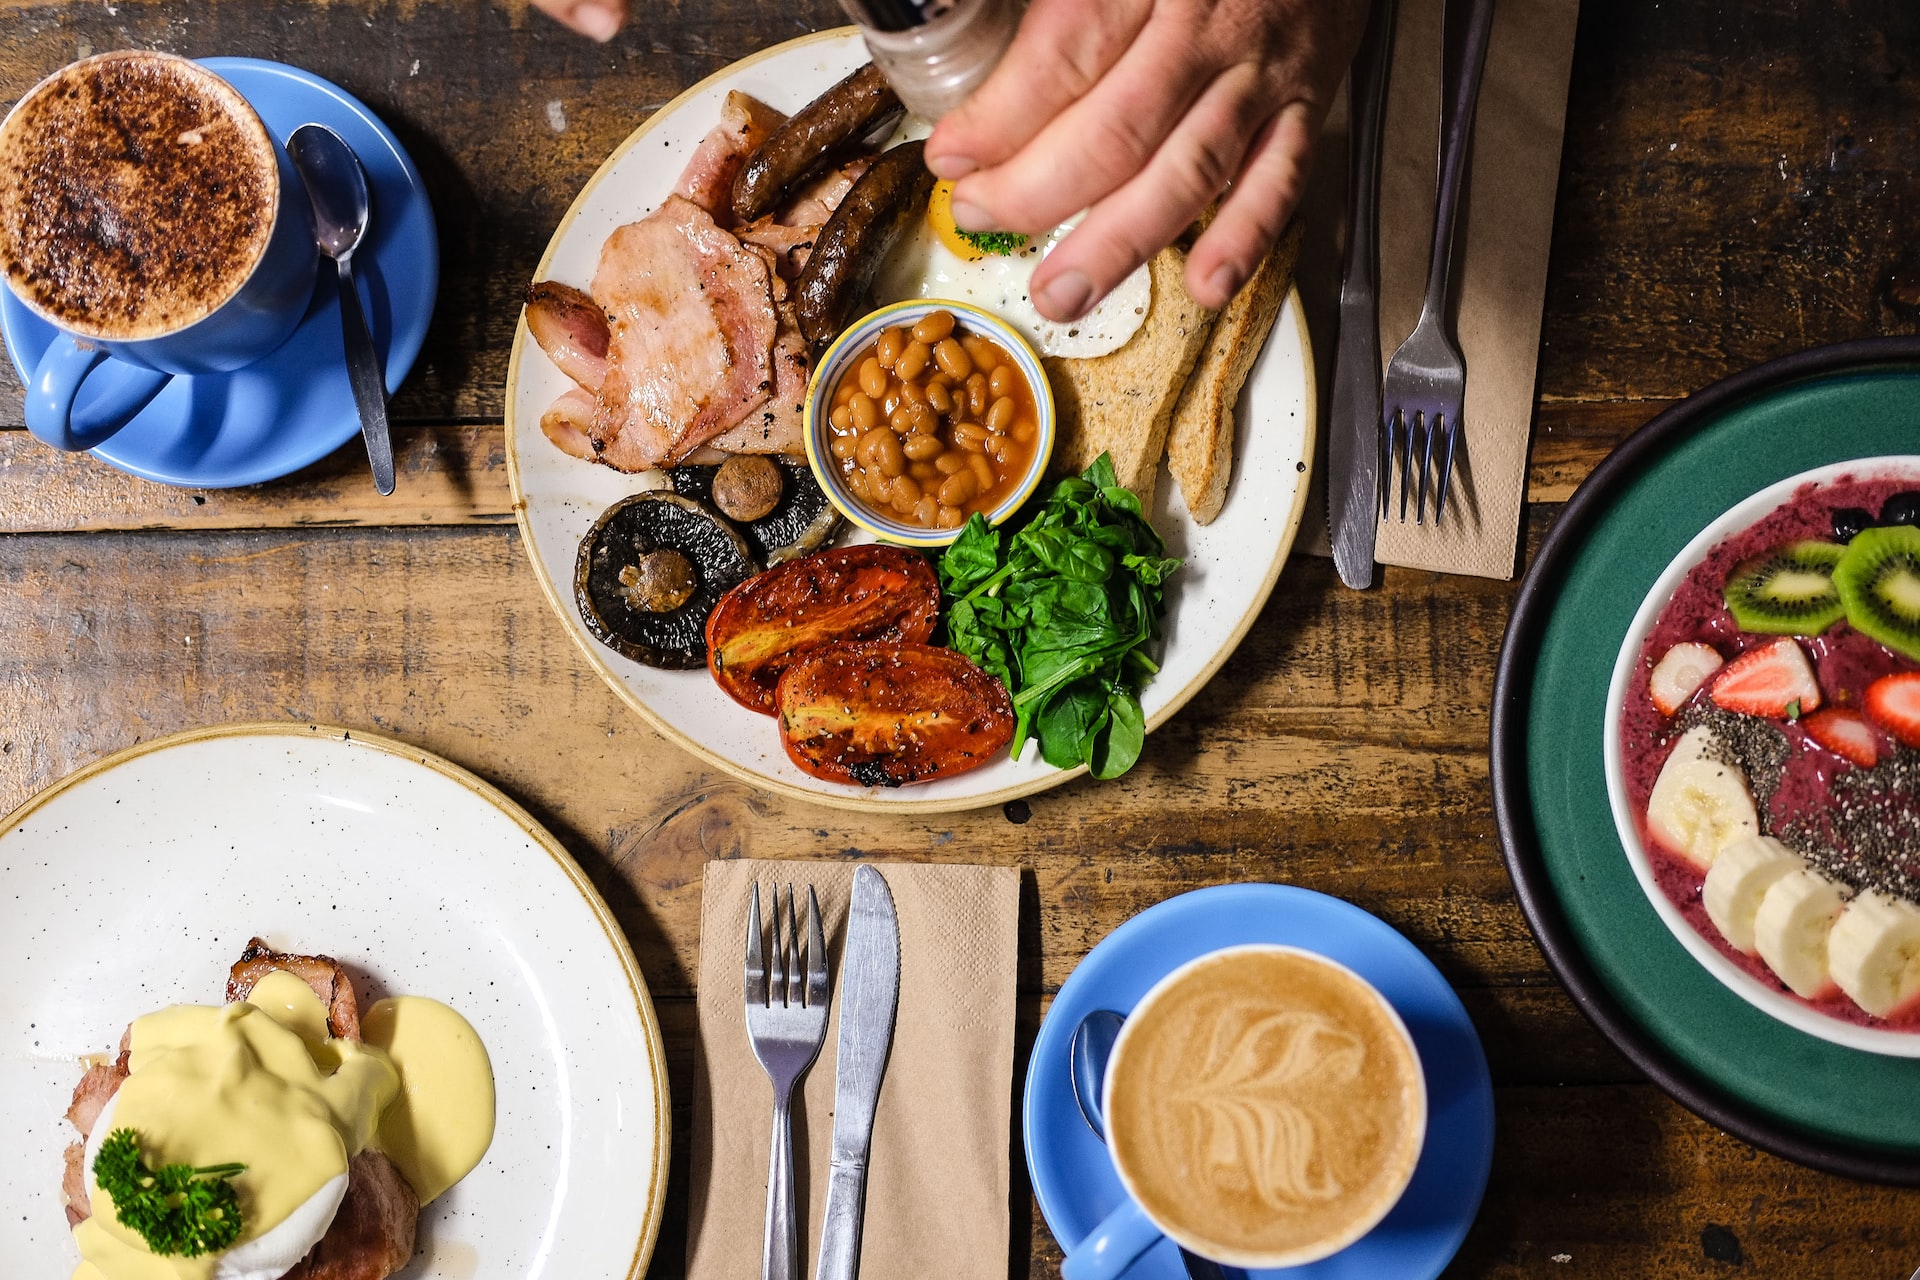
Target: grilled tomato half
{"type": "Point", "coordinates": [849, 593]}
{"type": "Point", "coordinates": [883, 714]}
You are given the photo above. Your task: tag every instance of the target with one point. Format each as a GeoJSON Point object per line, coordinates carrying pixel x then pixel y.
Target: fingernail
{"type": "Point", "coordinates": [947, 166]}
{"type": "Point", "coordinates": [969, 217]}
{"type": "Point", "coordinates": [1066, 296]}
{"type": "Point", "coordinates": [596, 21]}
{"type": "Point", "coordinates": [1225, 282]}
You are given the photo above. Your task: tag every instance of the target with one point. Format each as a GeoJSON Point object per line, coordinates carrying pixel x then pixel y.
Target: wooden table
{"type": "Point", "coordinates": [1741, 179]}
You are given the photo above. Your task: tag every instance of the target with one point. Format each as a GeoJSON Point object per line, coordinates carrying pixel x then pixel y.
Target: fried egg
{"type": "Point", "coordinates": [934, 259]}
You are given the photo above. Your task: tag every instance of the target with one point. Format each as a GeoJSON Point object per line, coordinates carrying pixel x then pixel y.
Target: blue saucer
{"type": "Point", "coordinates": [1072, 1177]}
{"type": "Point", "coordinates": [296, 406]}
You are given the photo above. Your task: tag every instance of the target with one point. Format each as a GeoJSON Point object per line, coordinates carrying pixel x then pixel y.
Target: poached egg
{"type": "Point", "coordinates": [261, 1083]}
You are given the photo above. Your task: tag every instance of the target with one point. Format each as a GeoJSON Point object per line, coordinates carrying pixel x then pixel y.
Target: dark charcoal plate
{"type": "Point", "coordinates": [1829, 1107]}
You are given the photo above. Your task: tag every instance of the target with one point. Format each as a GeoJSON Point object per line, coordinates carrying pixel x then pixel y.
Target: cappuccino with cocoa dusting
{"type": "Point", "coordinates": [1265, 1106]}
{"type": "Point", "coordinates": [137, 193]}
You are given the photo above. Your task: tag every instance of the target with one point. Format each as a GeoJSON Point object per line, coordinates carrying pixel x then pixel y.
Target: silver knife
{"type": "Point", "coordinates": [869, 994]}
{"type": "Point", "coordinates": [1353, 444]}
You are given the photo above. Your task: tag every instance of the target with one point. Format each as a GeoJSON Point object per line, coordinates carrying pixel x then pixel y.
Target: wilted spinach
{"type": "Point", "coordinates": [1063, 612]}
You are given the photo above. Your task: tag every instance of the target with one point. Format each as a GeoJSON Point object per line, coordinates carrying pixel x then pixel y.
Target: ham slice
{"type": "Point", "coordinates": [568, 422]}
{"type": "Point", "coordinates": [371, 1235]}
{"type": "Point", "coordinates": [693, 328]}
{"type": "Point", "coordinates": [707, 180]}
{"type": "Point", "coordinates": [777, 426]}
{"type": "Point", "coordinates": [571, 328]}
{"type": "Point", "coordinates": [816, 199]}
{"type": "Point", "coordinates": [322, 974]}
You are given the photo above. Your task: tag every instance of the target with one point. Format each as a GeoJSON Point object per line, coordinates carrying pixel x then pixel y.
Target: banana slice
{"type": "Point", "coordinates": [1790, 930]}
{"type": "Point", "coordinates": [1874, 952]}
{"type": "Point", "coordinates": [1699, 804]}
{"type": "Point", "coordinates": [1739, 878]}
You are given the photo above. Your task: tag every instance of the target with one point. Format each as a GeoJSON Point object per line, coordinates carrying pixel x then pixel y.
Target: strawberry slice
{"type": "Point", "coordinates": [1893, 702]}
{"type": "Point", "coordinates": [1775, 681]}
{"type": "Point", "coordinates": [1845, 733]}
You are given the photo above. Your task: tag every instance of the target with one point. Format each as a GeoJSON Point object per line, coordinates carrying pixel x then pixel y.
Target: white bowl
{"type": "Point", "coordinates": [1775, 1004]}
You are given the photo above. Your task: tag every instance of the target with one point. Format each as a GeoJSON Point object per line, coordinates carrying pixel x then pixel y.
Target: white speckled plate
{"type": "Point", "coordinates": [1231, 564]}
{"type": "Point", "coordinates": [134, 883]}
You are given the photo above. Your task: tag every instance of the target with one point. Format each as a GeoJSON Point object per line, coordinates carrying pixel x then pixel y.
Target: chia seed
{"type": "Point", "coordinates": [1749, 743]}
{"type": "Point", "coordinates": [1869, 835]}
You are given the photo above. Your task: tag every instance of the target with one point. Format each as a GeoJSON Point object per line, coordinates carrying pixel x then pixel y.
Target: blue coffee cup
{"type": "Point", "coordinates": [92, 381]}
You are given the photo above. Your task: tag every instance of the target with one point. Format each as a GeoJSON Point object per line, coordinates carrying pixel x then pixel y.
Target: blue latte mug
{"type": "Point", "coordinates": [148, 215]}
{"type": "Point", "coordinates": [1265, 1107]}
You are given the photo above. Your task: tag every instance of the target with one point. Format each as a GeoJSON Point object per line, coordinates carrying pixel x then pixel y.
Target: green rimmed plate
{"type": "Point", "coordinates": [1821, 1104]}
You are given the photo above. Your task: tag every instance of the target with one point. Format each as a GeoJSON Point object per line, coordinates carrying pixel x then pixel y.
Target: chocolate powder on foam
{"type": "Point", "coordinates": [133, 200]}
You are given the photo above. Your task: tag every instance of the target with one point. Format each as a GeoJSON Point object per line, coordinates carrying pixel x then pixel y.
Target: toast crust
{"type": "Point", "coordinates": [1200, 436]}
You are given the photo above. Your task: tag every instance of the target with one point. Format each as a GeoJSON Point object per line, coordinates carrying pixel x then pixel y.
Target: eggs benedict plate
{"type": "Point", "coordinates": [455, 926]}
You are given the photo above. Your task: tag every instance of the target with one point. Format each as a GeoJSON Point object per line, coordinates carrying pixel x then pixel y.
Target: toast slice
{"type": "Point", "coordinates": [1121, 403]}
{"type": "Point", "coordinates": [1200, 437]}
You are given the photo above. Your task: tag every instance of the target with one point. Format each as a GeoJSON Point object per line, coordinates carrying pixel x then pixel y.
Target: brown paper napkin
{"type": "Point", "coordinates": [1500, 261]}
{"type": "Point", "coordinates": [937, 1179]}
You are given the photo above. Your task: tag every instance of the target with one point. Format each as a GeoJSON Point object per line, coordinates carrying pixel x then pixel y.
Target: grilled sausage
{"type": "Point", "coordinates": [813, 137]}
{"type": "Point", "coordinates": [855, 240]}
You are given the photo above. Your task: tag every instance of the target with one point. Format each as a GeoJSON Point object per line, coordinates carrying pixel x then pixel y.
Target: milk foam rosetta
{"type": "Point", "coordinates": [1265, 1107]}
{"type": "Point", "coordinates": [137, 192]}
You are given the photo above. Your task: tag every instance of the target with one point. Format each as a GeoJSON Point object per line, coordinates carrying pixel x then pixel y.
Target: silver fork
{"type": "Point", "coordinates": [1426, 381]}
{"type": "Point", "coordinates": [786, 1022]}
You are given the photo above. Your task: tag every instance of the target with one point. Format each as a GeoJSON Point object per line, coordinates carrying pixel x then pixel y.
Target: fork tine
{"type": "Point", "coordinates": [1446, 469]}
{"type": "Point", "coordinates": [1428, 421]}
{"type": "Point", "coordinates": [1406, 462]}
{"type": "Point", "coordinates": [796, 978]}
{"type": "Point", "coordinates": [756, 959]}
{"type": "Point", "coordinates": [816, 955]}
{"type": "Point", "coordinates": [777, 956]}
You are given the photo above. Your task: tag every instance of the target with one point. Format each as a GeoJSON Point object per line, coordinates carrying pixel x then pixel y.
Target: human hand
{"type": "Point", "coordinates": [600, 19]}
{"type": "Point", "coordinates": [1142, 112]}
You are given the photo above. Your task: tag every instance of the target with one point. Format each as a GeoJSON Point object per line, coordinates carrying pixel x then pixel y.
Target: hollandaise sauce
{"type": "Point", "coordinates": [261, 1083]}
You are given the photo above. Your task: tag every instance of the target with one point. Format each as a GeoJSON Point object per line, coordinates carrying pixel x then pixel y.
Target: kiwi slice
{"type": "Point", "coordinates": [1788, 591]}
{"type": "Point", "coordinates": [1879, 583]}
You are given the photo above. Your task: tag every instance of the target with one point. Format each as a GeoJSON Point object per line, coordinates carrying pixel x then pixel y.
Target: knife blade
{"type": "Point", "coordinates": [1353, 443]}
{"type": "Point", "coordinates": [869, 996]}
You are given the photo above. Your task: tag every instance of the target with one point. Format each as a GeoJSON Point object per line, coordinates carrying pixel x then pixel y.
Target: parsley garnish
{"type": "Point", "coordinates": [177, 1209]}
{"type": "Point", "coordinates": [1001, 243]}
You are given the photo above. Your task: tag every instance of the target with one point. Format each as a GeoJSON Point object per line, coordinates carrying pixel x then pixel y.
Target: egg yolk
{"type": "Point", "coordinates": [940, 218]}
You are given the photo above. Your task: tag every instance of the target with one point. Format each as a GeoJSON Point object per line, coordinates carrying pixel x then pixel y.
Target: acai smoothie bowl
{"type": "Point", "coordinates": [1763, 751]}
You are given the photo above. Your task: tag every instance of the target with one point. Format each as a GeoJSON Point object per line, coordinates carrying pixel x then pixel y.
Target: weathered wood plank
{"type": "Point", "coordinates": [442, 637]}
{"type": "Point", "coordinates": [444, 475]}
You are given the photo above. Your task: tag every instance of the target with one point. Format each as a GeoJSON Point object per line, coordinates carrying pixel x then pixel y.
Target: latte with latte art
{"type": "Point", "coordinates": [1265, 1106]}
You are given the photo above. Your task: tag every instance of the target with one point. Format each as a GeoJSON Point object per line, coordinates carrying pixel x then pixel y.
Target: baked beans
{"type": "Point", "coordinates": [932, 423]}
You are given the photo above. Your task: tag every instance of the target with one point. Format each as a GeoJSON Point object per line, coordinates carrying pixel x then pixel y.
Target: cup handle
{"type": "Point", "coordinates": [53, 414]}
{"type": "Point", "coordinates": [1112, 1246]}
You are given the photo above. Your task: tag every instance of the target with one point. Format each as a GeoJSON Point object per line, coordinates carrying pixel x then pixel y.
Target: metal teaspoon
{"type": "Point", "coordinates": [337, 186]}
{"type": "Point", "coordinates": [1087, 1063]}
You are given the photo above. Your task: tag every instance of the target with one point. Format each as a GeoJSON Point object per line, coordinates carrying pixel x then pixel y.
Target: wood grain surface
{"type": "Point", "coordinates": [1741, 179]}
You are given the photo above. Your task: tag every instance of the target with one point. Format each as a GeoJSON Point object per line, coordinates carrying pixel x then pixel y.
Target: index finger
{"type": "Point", "coordinates": [1061, 51]}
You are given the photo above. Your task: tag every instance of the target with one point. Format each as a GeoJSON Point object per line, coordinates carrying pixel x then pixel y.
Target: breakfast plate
{"type": "Point", "coordinates": [295, 406]}
{"type": "Point", "coordinates": [1799, 1096]}
{"type": "Point", "coordinates": [1073, 1177]}
{"type": "Point", "coordinates": [135, 882]}
{"type": "Point", "coordinates": [1230, 565]}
